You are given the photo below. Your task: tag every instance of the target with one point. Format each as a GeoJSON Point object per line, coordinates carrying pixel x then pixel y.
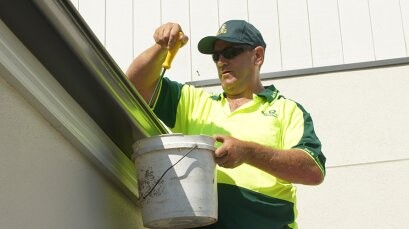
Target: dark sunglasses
{"type": "Point", "coordinates": [231, 52]}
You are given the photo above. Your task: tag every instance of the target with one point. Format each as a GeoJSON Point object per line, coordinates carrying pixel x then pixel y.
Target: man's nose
{"type": "Point", "coordinates": [221, 61]}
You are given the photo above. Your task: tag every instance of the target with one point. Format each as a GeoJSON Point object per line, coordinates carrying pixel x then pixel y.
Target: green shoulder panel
{"type": "Point", "coordinates": [309, 141]}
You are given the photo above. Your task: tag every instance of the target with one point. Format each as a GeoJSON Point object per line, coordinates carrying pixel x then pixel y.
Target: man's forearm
{"type": "Point", "coordinates": [293, 165]}
{"type": "Point", "coordinates": [145, 70]}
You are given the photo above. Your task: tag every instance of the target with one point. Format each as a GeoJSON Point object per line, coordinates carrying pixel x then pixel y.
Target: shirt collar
{"type": "Point", "coordinates": [269, 93]}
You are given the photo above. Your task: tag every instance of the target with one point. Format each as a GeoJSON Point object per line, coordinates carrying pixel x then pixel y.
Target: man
{"type": "Point", "coordinates": [266, 142]}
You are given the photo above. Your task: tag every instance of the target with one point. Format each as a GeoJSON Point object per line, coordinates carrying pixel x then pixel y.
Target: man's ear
{"type": "Point", "coordinates": [259, 54]}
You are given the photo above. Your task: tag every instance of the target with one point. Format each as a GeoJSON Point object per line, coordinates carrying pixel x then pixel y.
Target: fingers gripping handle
{"type": "Point", "coordinates": [172, 53]}
{"type": "Point", "coordinates": [166, 65]}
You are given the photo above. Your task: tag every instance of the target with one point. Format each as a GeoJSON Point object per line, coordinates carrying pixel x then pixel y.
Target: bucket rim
{"type": "Point", "coordinates": [168, 141]}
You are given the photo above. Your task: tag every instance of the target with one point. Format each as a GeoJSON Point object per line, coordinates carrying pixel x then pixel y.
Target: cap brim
{"type": "Point", "coordinates": [206, 44]}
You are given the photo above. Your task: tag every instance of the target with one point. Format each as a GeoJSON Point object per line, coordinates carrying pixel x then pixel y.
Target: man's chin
{"type": "Point", "coordinates": [228, 80]}
{"type": "Point", "coordinates": [227, 86]}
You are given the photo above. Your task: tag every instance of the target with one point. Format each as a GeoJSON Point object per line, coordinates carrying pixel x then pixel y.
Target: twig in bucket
{"type": "Point", "coordinates": [160, 178]}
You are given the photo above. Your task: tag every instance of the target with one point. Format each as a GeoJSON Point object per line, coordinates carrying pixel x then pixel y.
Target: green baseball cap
{"type": "Point", "coordinates": [234, 31]}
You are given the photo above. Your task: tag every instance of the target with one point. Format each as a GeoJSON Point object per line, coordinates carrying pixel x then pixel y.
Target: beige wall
{"type": "Point", "coordinates": [47, 183]}
{"type": "Point", "coordinates": [362, 120]}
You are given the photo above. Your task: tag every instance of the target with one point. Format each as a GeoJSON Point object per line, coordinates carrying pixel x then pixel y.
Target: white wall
{"type": "Point", "coordinates": [368, 195]}
{"type": "Point", "coordinates": [299, 34]}
{"type": "Point", "coordinates": [361, 118]}
{"type": "Point", "coordinates": [45, 182]}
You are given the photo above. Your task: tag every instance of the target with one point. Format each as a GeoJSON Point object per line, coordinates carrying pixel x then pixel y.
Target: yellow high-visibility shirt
{"type": "Point", "coordinates": [269, 119]}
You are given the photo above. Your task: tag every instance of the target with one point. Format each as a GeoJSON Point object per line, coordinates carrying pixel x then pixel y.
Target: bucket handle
{"type": "Point", "coordinates": [160, 178]}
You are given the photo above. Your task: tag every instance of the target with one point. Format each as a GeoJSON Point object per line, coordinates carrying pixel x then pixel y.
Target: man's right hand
{"type": "Point", "coordinates": [145, 69]}
{"type": "Point", "coordinates": [167, 35]}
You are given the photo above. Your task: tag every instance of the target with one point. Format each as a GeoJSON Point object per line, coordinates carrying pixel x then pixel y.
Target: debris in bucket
{"type": "Point", "coordinates": [149, 183]}
{"type": "Point", "coordinates": [160, 178]}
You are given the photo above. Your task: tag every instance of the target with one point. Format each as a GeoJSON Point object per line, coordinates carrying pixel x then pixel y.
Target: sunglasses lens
{"type": "Point", "coordinates": [233, 52]}
{"type": "Point", "coordinates": [215, 57]}
{"type": "Point", "coordinates": [230, 52]}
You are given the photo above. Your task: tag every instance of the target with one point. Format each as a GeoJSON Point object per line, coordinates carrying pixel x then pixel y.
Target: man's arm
{"type": "Point", "coordinates": [293, 165]}
{"type": "Point", "coordinates": [145, 70]}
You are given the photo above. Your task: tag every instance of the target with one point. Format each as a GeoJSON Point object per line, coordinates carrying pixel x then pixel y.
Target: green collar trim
{"type": "Point", "coordinates": [269, 93]}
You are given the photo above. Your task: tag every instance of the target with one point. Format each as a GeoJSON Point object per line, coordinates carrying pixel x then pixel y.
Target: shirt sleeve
{"type": "Point", "coordinates": [298, 132]}
{"type": "Point", "coordinates": [167, 102]}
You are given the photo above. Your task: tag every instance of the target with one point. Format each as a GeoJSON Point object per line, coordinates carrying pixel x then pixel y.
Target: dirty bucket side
{"type": "Point", "coordinates": [177, 181]}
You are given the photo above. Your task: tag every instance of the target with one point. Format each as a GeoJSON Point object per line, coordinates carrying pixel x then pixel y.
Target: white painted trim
{"type": "Point", "coordinates": [23, 71]}
{"type": "Point", "coordinates": [317, 70]}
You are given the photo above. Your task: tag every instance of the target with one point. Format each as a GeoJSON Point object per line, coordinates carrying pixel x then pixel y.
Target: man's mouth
{"type": "Point", "coordinates": [225, 72]}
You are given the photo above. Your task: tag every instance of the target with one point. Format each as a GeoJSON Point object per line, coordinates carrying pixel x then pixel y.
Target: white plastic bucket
{"type": "Point", "coordinates": [176, 180]}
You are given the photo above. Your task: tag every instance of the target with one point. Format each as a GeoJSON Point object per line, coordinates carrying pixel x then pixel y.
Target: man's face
{"type": "Point", "coordinates": [235, 66]}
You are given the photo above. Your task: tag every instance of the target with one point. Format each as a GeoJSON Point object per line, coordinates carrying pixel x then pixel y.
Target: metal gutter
{"type": "Point", "coordinates": [32, 80]}
{"type": "Point", "coordinates": [59, 38]}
